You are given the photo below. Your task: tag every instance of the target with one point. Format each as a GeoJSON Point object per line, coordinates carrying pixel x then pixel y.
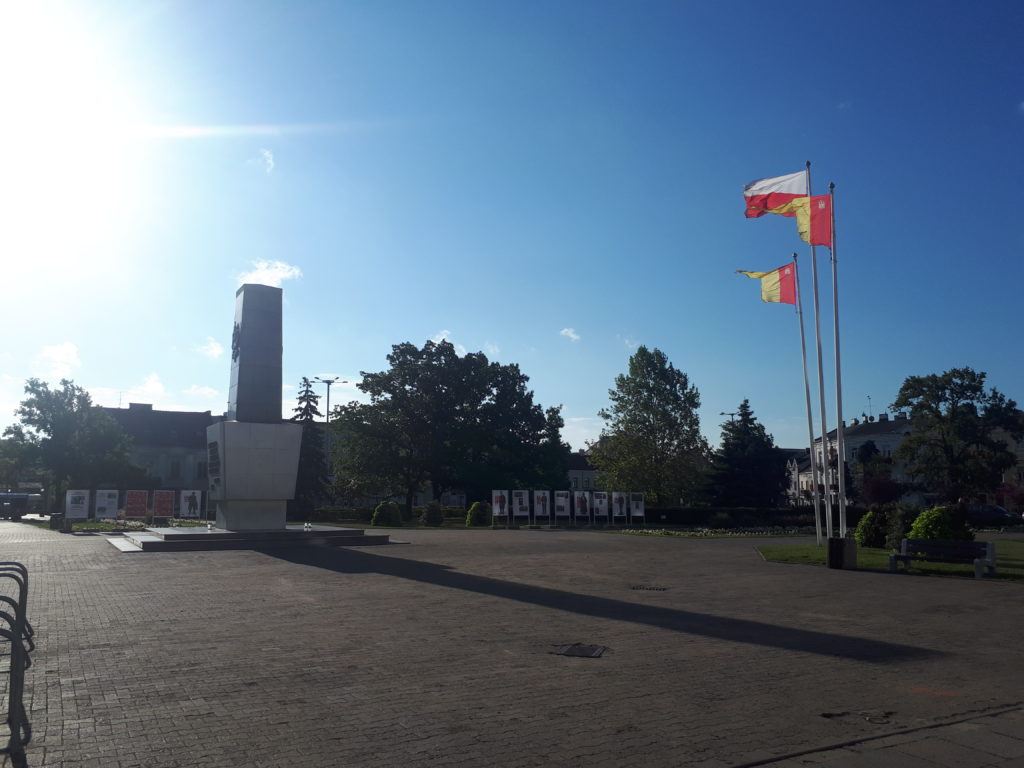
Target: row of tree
{"type": "Point", "coordinates": [438, 420]}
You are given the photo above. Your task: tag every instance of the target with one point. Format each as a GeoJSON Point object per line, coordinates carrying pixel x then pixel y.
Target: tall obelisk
{"type": "Point", "coordinates": [254, 454]}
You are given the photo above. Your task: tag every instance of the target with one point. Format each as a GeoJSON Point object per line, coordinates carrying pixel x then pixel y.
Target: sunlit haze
{"type": "Point", "coordinates": [552, 184]}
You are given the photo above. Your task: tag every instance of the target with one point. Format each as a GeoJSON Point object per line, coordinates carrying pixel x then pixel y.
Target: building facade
{"type": "Point", "coordinates": [169, 445]}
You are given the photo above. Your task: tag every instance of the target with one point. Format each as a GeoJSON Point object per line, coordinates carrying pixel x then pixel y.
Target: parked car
{"type": "Point", "coordinates": [990, 516]}
{"type": "Point", "coordinates": [13, 505]}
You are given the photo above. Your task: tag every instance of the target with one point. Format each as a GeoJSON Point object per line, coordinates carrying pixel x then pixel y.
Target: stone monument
{"type": "Point", "coordinates": [254, 454]}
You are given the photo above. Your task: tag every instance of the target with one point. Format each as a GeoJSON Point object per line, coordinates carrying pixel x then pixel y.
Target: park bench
{"type": "Point", "coordinates": [981, 554]}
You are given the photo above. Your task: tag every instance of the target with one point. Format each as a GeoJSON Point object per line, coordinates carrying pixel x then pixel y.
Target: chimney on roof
{"type": "Point", "coordinates": [140, 406]}
{"type": "Point", "coordinates": [856, 421]}
{"type": "Point", "coordinates": [883, 416]}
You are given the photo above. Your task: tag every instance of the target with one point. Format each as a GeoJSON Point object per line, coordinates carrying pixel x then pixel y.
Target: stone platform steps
{"type": "Point", "coordinates": [201, 539]}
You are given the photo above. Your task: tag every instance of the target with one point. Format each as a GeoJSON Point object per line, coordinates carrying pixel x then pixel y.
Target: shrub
{"type": "Point", "coordinates": [898, 519]}
{"type": "Point", "coordinates": [937, 523]}
{"type": "Point", "coordinates": [387, 513]}
{"type": "Point", "coordinates": [432, 515]}
{"type": "Point", "coordinates": [721, 520]}
{"type": "Point", "coordinates": [872, 528]}
{"type": "Point", "coordinates": [479, 514]}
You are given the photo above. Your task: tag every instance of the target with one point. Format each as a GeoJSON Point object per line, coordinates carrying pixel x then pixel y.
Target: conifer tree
{"type": "Point", "coordinates": [747, 470]}
{"type": "Point", "coordinates": [312, 479]}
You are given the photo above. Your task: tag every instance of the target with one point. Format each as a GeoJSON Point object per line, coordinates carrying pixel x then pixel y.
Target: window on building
{"type": "Point", "coordinates": [574, 483]}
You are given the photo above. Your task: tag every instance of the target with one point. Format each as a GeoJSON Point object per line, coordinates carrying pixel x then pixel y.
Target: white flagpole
{"type": "Point", "coordinates": [840, 439]}
{"type": "Point", "coordinates": [821, 374]}
{"type": "Point", "coordinates": [810, 418]}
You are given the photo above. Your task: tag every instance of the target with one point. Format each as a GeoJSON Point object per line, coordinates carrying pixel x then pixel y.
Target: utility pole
{"type": "Point", "coordinates": [328, 382]}
{"type": "Point", "coordinates": [730, 414]}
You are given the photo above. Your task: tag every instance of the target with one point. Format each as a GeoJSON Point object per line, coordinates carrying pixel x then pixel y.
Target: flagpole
{"type": "Point", "coordinates": [840, 438]}
{"type": "Point", "coordinates": [810, 418]}
{"type": "Point", "coordinates": [821, 374]}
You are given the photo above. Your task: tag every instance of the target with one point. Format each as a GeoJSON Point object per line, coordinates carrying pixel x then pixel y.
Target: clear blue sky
{"type": "Point", "coordinates": [497, 172]}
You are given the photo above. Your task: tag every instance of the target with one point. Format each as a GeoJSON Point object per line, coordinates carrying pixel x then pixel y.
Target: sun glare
{"type": "Point", "coordinates": [70, 179]}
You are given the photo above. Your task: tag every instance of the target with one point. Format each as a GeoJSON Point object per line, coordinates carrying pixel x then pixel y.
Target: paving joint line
{"type": "Point", "coordinates": [1015, 707]}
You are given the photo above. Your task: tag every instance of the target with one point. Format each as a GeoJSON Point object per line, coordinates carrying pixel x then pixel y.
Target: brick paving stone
{"type": "Point", "coordinates": [438, 651]}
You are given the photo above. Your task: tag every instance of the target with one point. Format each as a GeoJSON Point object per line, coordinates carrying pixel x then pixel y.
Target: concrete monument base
{"type": "Point", "coordinates": [252, 470]}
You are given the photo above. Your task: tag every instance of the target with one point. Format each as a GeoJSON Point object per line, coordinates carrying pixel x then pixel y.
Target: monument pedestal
{"type": "Point", "coordinates": [252, 469]}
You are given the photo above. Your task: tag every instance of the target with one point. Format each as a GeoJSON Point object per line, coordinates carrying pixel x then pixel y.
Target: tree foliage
{"type": "Point", "coordinates": [446, 420]}
{"type": "Point", "coordinates": [954, 446]}
{"type": "Point", "coordinates": [76, 444]}
{"type": "Point", "coordinates": [311, 481]}
{"type": "Point", "coordinates": [651, 441]}
{"type": "Point", "coordinates": [747, 470]}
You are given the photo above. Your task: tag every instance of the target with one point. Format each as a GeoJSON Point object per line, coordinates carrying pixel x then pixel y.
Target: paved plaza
{"type": "Point", "coordinates": [439, 651]}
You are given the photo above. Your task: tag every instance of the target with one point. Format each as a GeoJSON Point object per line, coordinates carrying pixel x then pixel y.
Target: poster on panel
{"type": "Point", "coordinates": [76, 505]}
{"type": "Point", "coordinates": [636, 505]}
{"type": "Point", "coordinates": [106, 505]}
{"type": "Point", "coordinates": [163, 503]}
{"type": "Point", "coordinates": [600, 505]}
{"type": "Point", "coordinates": [521, 504]}
{"type": "Point", "coordinates": [136, 503]}
{"type": "Point", "coordinates": [582, 506]}
{"type": "Point", "coordinates": [499, 503]}
{"type": "Point", "coordinates": [562, 501]}
{"type": "Point", "coordinates": [191, 504]}
{"type": "Point", "coordinates": [619, 504]}
{"type": "Point", "coordinates": [541, 503]}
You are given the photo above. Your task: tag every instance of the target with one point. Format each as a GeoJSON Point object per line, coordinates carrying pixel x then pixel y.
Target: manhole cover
{"type": "Point", "coordinates": [579, 649]}
{"type": "Point", "coordinates": [647, 588]}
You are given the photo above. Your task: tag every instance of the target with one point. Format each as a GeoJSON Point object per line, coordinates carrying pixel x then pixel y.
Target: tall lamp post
{"type": "Point", "coordinates": [328, 382]}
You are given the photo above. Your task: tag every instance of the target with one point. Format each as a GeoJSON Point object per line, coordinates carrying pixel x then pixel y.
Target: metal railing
{"type": "Point", "coordinates": [16, 630]}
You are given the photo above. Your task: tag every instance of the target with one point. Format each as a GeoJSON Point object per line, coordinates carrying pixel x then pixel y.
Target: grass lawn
{"type": "Point", "coordinates": [1009, 559]}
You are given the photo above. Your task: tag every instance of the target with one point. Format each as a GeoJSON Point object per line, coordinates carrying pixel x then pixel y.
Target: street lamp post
{"type": "Point", "coordinates": [328, 382]}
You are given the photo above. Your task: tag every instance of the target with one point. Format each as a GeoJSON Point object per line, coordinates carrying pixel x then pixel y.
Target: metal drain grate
{"type": "Point", "coordinates": [579, 649]}
{"type": "Point", "coordinates": [647, 588]}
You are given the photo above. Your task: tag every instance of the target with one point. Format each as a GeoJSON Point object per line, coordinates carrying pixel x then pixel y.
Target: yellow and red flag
{"type": "Point", "coordinates": [787, 196]}
{"type": "Point", "coordinates": [777, 286]}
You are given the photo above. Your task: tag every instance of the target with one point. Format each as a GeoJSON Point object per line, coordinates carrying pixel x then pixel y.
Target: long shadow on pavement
{"type": "Point", "coordinates": [688, 622]}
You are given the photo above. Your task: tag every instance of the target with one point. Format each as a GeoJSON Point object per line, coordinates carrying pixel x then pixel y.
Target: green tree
{"type": "Point", "coordinates": [953, 446]}
{"type": "Point", "coordinates": [18, 457]}
{"type": "Point", "coordinates": [311, 481]}
{"type": "Point", "coordinates": [76, 444]}
{"type": "Point", "coordinates": [446, 420]}
{"type": "Point", "coordinates": [651, 441]}
{"type": "Point", "coordinates": [747, 470]}
{"type": "Point", "coordinates": [872, 476]}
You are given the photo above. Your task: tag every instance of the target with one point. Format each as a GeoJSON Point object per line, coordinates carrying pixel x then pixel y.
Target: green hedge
{"type": "Point", "coordinates": [939, 523]}
{"type": "Point", "coordinates": [388, 514]}
{"type": "Point", "coordinates": [479, 514]}
{"type": "Point", "coordinates": [432, 515]}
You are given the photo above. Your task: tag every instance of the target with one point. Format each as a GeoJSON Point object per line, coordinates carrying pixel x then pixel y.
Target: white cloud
{"type": "Point", "coordinates": [197, 390]}
{"type": "Point", "coordinates": [492, 349]}
{"type": "Point", "coordinates": [1020, 107]}
{"type": "Point", "coordinates": [446, 335]}
{"type": "Point", "coordinates": [151, 390]}
{"type": "Point", "coordinates": [570, 334]}
{"type": "Point", "coordinates": [267, 157]}
{"type": "Point", "coordinates": [211, 349]}
{"type": "Point", "coordinates": [844, 105]}
{"type": "Point", "coordinates": [271, 273]}
{"type": "Point", "coordinates": [579, 430]}
{"type": "Point", "coordinates": [57, 361]}
{"type": "Point", "coordinates": [629, 341]}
